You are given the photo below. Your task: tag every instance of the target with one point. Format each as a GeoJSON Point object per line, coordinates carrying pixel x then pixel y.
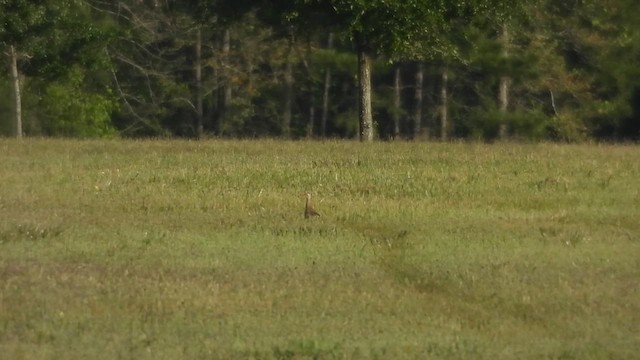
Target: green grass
{"type": "Point", "coordinates": [199, 250]}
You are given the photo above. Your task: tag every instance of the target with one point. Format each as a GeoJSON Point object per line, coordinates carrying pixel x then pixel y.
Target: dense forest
{"type": "Point", "coordinates": [386, 69]}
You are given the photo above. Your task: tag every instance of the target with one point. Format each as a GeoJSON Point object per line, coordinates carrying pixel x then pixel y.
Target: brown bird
{"type": "Point", "coordinates": [309, 211]}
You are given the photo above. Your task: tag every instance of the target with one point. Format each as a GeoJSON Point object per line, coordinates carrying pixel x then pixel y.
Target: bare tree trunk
{"type": "Point", "coordinates": [288, 93]}
{"type": "Point", "coordinates": [226, 49]}
{"type": "Point", "coordinates": [310, 89]}
{"type": "Point", "coordinates": [444, 116]}
{"type": "Point", "coordinates": [225, 100]}
{"type": "Point", "coordinates": [417, 115]}
{"type": "Point", "coordinates": [312, 116]}
{"type": "Point", "coordinates": [505, 82]}
{"type": "Point", "coordinates": [553, 103]}
{"type": "Point", "coordinates": [15, 77]}
{"type": "Point", "coordinates": [325, 103]}
{"type": "Point", "coordinates": [325, 94]}
{"type": "Point", "coordinates": [397, 87]}
{"type": "Point", "coordinates": [213, 103]}
{"type": "Point", "coordinates": [364, 82]}
{"type": "Point", "coordinates": [198, 76]}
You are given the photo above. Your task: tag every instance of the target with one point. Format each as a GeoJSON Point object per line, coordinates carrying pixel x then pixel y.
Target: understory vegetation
{"type": "Point", "coordinates": [199, 250]}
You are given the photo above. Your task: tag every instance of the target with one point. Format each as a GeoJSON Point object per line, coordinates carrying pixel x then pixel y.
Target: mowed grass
{"type": "Point", "coordinates": [199, 250]}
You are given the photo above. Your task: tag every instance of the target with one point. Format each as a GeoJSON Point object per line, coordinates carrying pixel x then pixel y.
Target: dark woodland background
{"type": "Point", "coordinates": [544, 70]}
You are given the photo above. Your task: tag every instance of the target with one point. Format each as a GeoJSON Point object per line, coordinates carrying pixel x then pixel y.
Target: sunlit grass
{"type": "Point", "coordinates": [178, 249]}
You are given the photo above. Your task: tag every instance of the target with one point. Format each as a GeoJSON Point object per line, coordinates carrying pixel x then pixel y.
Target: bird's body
{"type": "Point", "coordinates": [309, 211]}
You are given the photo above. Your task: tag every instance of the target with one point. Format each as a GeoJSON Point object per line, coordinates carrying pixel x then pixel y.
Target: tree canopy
{"type": "Point", "coordinates": [257, 68]}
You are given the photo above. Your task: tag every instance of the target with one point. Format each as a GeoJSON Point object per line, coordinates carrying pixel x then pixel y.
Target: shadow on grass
{"type": "Point", "coordinates": [29, 232]}
{"type": "Point", "coordinates": [394, 258]}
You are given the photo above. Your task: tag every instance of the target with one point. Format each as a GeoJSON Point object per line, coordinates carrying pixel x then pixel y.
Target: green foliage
{"type": "Point", "coordinates": [598, 50]}
{"type": "Point", "coordinates": [6, 107]}
{"type": "Point", "coordinates": [20, 20]}
{"type": "Point", "coordinates": [337, 61]}
{"type": "Point", "coordinates": [580, 53]}
{"type": "Point", "coordinates": [67, 109]}
{"type": "Point", "coordinates": [567, 127]}
{"type": "Point", "coordinates": [389, 28]}
{"type": "Point", "coordinates": [50, 33]}
{"type": "Point", "coordinates": [241, 112]}
{"type": "Point", "coordinates": [531, 125]}
{"type": "Point", "coordinates": [58, 44]}
{"type": "Point", "coordinates": [347, 122]}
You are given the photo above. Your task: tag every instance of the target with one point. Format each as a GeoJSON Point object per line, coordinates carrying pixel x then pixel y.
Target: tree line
{"type": "Point", "coordinates": [389, 69]}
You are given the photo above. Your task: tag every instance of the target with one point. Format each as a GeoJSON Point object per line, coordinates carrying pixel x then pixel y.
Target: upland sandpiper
{"type": "Point", "coordinates": [309, 211]}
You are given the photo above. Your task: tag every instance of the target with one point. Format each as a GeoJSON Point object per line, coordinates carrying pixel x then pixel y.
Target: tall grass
{"type": "Point", "coordinates": [179, 249]}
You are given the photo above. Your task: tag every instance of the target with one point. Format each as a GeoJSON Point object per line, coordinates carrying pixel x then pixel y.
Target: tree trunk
{"type": "Point", "coordinates": [364, 91]}
{"type": "Point", "coordinates": [325, 94]}
{"type": "Point", "coordinates": [444, 116]}
{"type": "Point", "coordinates": [325, 103]}
{"type": "Point", "coordinates": [312, 115]}
{"type": "Point", "coordinates": [288, 92]}
{"type": "Point", "coordinates": [213, 100]}
{"type": "Point", "coordinates": [225, 99]}
{"type": "Point", "coordinates": [310, 89]}
{"type": "Point", "coordinates": [226, 49]}
{"type": "Point", "coordinates": [397, 87]}
{"type": "Point", "coordinates": [15, 77]}
{"type": "Point", "coordinates": [505, 82]}
{"type": "Point", "coordinates": [417, 115]}
{"type": "Point", "coordinates": [198, 76]}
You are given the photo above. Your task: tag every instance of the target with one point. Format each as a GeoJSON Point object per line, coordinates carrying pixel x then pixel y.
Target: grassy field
{"type": "Point", "coordinates": [199, 250]}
